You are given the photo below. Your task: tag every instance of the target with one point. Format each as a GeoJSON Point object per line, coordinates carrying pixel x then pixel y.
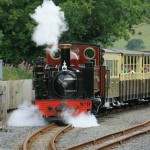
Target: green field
{"type": "Point", "coordinates": [142, 32]}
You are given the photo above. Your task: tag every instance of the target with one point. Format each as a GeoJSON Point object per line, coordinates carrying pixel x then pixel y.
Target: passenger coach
{"type": "Point", "coordinates": [129, 76]}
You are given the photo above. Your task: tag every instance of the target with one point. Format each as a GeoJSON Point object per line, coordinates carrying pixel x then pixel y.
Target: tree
{"type": "Point", "coordinates": [147, 11]}
{"type": "Point", "coordinates": [103, 21]}
{"type": "Point", "coordinates": [135, 44]}
{"type": "Point", "coordinates": [1, 36]}
{"type": "Point", "coordinates": [17, 28]}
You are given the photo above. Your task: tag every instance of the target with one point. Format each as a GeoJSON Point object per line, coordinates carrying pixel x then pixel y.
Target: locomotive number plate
{"type": "Point", "coordinates": [85, 104]}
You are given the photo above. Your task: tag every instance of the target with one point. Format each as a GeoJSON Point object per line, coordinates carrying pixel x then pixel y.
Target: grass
{"type": "Point", "coordinates": [12, 73]}
{"type": "Point", "coordinates": [142, 32]}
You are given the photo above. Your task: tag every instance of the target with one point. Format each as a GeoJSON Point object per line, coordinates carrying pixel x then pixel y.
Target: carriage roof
{"type": "Point", "coordinates": [128, 52]}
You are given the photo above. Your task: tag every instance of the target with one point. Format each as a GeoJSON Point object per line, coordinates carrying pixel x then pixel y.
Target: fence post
{"type": "Point", "coordinates": [3, 106]}
{"type": "Point", "coordinates": [1, 111]}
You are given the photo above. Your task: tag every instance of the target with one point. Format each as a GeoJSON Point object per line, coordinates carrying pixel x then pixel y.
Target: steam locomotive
{"type": "Point", "coordinates": [82, 83]}
{"type": "Point", "coordinates": [65, 80]}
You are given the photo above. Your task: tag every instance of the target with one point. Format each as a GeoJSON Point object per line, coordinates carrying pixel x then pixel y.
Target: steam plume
{"type": "Point", "coordinates": [50, 24]}
{"type": "Point", "coordinates": [82, 120]}
{"type": "Point", "coordinates": [26, 115]}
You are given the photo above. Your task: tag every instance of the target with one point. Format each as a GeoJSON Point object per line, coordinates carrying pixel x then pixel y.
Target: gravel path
{"type": "Point", "coordinates": [12, 137]}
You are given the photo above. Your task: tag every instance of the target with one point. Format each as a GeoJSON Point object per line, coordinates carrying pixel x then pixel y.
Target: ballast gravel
{"type": "Point", "coordinates": [140, 143]}
{"type": "Point", "coordinates": [107, 124]}
{"type": "Point", "coordinates": [11, 138]}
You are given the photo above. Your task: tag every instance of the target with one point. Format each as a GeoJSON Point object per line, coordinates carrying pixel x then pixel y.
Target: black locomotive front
{"type": "Point", "coordinates": [63, 84]}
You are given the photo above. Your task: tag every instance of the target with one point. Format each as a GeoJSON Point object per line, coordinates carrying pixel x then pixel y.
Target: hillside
{"type": "Point", "coordinates": [140, 40]}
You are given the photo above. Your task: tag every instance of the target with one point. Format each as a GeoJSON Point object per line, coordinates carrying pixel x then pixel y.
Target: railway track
{"type": "Point", "coordinates": [119, 109]}
{"type": "Point", "coordinates": [45, 138]}
{"type": "Point", "coordinates": [50, 134]}
{"type": "Point", "coordinates": [112, 140]}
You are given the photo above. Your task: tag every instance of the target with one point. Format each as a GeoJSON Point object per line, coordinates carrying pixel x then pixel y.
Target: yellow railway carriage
{"type": "Point", "coordinates": [129, 79]}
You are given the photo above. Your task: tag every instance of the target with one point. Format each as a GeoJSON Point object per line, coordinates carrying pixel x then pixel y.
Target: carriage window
{"type": "Point", "coordinates": [56, 55]}
{"type": "Point", "coordinates": [112, 65]}
{"type": "Point", "coordinates": [130, 64]}
{"type": "Point", "coordinates": [89, 53]}
{"type": "Point", "coordinates": [147, 64]}
{"type": "Point", "coordinates": [115, 67]}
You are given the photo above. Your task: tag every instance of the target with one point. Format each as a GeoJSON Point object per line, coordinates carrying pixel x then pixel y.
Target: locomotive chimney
{"type": "Point", "coordinates": [65, 54]}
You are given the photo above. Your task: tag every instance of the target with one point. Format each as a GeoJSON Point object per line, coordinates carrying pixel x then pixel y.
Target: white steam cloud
{"type": "Point", "coordinates": [50, 24]}
{"type": "Point", "coordinates": [26, 115]}
{"type": "Point", "coordinates": [82, 120]}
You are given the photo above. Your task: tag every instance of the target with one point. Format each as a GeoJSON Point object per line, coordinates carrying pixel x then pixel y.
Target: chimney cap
{"type": "Point", "coordinates": [64, 46]}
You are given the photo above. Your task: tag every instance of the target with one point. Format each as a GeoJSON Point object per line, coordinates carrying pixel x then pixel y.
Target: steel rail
{"type": "Point", "coordinates": [111, 136]}
{"type": "Point", "coordinates": [27, 144]}
{"type": "Point", "coordinates": [122, 140]}
{"type": "Point", "coordinates": [55, 138]}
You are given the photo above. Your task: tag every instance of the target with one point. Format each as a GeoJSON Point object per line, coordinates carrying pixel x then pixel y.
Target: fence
{"type": "Point", "coordinates": [12, 94]}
